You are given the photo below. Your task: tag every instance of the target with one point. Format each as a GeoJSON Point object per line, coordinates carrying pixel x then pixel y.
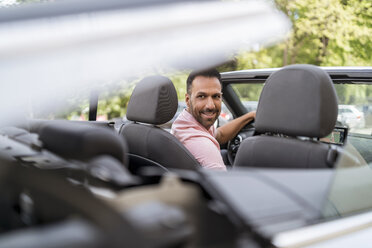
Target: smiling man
{"type": "Point", "coordinates": [194, 126]}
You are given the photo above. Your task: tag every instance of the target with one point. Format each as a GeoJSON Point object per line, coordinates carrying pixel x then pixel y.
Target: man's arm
{"type": "Point", "coordinates": [231, 129]}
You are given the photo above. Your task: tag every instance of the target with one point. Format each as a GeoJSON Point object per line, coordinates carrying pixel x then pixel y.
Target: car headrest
{"type": "Point", "coordinates": [153, 101]}
{"type": "Point", "coordinates": [298, 100]}
{"type": "Point", "coordinates": [80, 141]}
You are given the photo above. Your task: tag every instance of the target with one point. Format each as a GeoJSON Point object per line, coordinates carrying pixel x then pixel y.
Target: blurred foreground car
{"type": "Point", "coordinates": [81, 184]}
{"type": "Point", "coordinates": [350, 116]}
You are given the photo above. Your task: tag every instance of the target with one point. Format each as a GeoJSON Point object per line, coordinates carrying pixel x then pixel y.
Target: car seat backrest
{"type": "Point", "coordinates": [296, 101]}
{"type": "Point", "coordinates": [154, 102]}
{"type": "Point", "coordinates": [156, 145]}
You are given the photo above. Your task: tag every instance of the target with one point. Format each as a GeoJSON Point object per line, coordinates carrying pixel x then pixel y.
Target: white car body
{"type": "Point", "coordinates": [350, 116]}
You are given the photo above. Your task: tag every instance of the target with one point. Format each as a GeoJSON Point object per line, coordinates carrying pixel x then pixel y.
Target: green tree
{"type": "Point", "coordinates": [114, 100]}
{"type": "Point", "coordinates": [324, 33]}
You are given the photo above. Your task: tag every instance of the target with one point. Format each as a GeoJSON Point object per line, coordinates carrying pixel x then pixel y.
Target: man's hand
{"type": "Point", "coordinates": [231, 129]}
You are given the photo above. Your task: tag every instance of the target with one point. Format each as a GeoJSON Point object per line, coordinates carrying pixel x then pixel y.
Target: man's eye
{"type": "Point", "coordinates": [217, 96]}
{"type": "Point", "coordinates": [201, 96]}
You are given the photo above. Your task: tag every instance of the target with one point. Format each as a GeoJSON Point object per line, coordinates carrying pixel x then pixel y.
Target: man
{"type": "Point", "coordinates": [194, 126]}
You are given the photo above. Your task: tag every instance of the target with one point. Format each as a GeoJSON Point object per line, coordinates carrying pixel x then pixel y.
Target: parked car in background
{"type": "Point", "coordinates": [225, 115]}
{"type": "Point", "coordinates": [250, 105]}
{"type": "Point", "coordinates": [350, 116]}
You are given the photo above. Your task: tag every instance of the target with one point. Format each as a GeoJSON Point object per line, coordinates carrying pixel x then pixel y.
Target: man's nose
{"type": "Point", "coordinates": [210, 103]}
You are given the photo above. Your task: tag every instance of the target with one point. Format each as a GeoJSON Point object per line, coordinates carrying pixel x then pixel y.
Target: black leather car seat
{"type": "Point", "coordinates": [154, 102]}
{"type": "Point", "coordinates": [297, 106]}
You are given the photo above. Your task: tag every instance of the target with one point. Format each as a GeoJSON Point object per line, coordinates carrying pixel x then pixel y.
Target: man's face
{"type": "Point", "coordinates": [204, 102]}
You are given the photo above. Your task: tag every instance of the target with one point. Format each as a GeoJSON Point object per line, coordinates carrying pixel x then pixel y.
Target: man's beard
{"type": "Point", "coordinates": [205, 122]}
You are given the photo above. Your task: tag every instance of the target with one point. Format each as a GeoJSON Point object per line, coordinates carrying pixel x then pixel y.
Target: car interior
{"type": "Point", "coordinates": [150, 179]}
{"type": "Point", "coordinates": [280, 123]}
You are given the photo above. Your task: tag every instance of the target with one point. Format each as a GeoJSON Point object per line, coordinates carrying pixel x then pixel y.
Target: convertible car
{"type": "Point", "coordinates": [297, 176]}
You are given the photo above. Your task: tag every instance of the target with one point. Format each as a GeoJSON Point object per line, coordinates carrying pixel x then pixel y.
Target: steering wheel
{"type": "Point", "coordinates": [234, 144]}
{"type": "Point", "coordinates": [44, 198]}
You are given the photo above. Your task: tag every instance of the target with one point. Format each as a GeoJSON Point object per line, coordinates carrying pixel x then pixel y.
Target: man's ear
{"type": "Point", "coordinates": [187, 99]}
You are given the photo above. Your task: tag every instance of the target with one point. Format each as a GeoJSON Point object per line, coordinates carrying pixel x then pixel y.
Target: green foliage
{"type": "Point", "coordinates": [354, 94]}
{"type": "Point", "coordinates": [68, 105]}
{"type": "Point", "coordinates": [324, 33]}
{"type": "Point", "coordinates": [114, 100]}
{"type": "Point", "coordinates": [179, 81]}
{"type": "Point", "coordinates": [248, 92]}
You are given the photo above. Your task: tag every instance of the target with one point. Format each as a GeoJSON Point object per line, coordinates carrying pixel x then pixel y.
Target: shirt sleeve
{"type": "Point", "coordinates": [205, 152]}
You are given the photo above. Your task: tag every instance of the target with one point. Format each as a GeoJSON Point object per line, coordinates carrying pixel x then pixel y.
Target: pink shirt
{"type": "Point", "coordinates": [199, 141]}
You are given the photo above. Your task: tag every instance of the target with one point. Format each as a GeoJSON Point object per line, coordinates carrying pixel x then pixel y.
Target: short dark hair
{"type": "Point", "coordinates": [211, 73]}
